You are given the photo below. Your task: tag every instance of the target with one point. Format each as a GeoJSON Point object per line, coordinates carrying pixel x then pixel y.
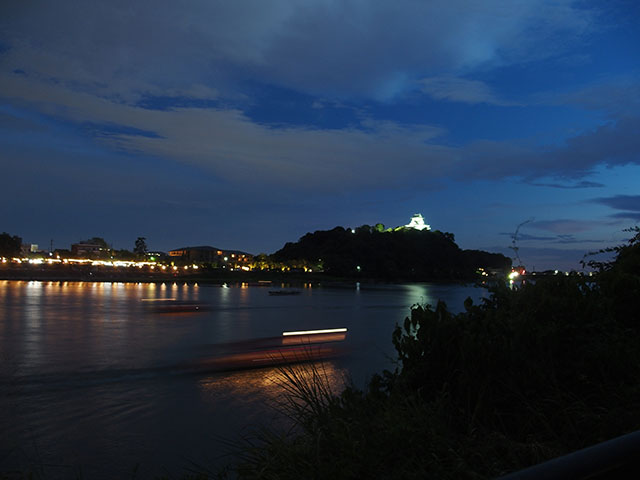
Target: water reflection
{"type": "Point", "coordinates": [33, 321]}
{"type": "Point", "coordinates": [419, 294]}
{"type": "Point", "coordinates": [268, 384]}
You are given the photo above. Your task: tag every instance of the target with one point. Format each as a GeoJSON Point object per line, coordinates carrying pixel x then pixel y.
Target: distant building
{"type": "Point", "coordinates": [417, 223]}
{"type": "Point", "coordinates": [28, 248]}
{"type": "Point", "coordinates": [196, 254]}
{"type": "Point", "coordinates": [84, 249]}
{"type": "Point", "coordinates": [207, 254]}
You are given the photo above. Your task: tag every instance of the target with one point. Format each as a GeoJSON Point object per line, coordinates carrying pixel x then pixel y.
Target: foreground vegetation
{"type": "Point", "coordinates": [527, 375]}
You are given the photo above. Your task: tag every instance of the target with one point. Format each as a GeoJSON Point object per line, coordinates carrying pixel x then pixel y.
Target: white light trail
{"type": "Point", "coordinates": [313, 332]}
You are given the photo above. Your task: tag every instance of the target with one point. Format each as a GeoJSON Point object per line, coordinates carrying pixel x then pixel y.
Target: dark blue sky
{"type": "Point", "coordinates": [246, 124]}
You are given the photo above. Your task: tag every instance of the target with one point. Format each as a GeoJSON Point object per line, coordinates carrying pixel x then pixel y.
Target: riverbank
{"type": "Point", "coordinates": [91, 273]}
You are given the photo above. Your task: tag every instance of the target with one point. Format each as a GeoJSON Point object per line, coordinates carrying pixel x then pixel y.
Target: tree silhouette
{"type": "Point", "coordinates": [10, 245]}
{"type": "Point", "coordinates": [141, 246]}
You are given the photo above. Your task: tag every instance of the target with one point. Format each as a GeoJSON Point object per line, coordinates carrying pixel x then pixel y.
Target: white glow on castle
{"type": "Point", "coordinates": [417, 223]}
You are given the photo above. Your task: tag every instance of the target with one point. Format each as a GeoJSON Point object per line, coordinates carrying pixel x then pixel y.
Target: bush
{"type": "Point", "coordinates": [526, 375]}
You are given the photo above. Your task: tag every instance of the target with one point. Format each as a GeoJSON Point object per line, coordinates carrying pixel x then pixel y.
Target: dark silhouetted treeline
{"type": "Point", "coordinates": [405, 254]}
{"type": "Point", "coordinates": [9, 245]}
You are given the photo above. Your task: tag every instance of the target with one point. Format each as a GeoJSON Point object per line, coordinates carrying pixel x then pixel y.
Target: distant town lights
{"type": "Point", "coordinates": [79, 261]}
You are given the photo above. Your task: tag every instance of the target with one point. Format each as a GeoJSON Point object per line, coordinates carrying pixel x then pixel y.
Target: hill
{"type": "Point", "coordinates": [402, 254]}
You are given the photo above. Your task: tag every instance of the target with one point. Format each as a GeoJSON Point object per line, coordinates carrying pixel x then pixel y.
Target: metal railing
{"type": "Point", "coordinates": [618, 458]}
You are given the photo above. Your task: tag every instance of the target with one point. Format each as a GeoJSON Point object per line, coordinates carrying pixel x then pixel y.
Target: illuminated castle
{"type": "Point", "coordinates": [417, 223]}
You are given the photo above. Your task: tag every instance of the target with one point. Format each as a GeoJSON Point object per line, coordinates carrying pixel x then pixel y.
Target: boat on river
{"type": "Point", "coordinates": [290, 347]}
{"type": "Point", "coordinates": [172, 305]}
{"type": "Point", "coordinates": [284, 292]}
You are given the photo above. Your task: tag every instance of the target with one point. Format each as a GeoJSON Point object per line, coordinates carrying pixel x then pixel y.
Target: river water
{"type": "Point", "coordinates": [91, 383]}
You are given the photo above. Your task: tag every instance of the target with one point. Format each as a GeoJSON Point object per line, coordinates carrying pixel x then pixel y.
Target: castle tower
{"type": "Point", "coordinates": [417, 223]}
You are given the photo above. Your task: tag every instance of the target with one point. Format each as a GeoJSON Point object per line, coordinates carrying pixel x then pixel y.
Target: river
{"type": "Point", "coordinates": [91, 384]}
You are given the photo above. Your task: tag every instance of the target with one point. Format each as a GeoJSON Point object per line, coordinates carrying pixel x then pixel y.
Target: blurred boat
{"type": "Point", "coordinates": [284, 292]}
{"type": "Point", "coordinates": [171, 305]}
{"type": "Point", "coordinates": [291, 347]}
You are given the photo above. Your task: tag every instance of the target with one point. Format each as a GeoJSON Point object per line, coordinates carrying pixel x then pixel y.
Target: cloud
{"type": "Point", "coordinates": [100, 73]}
{"type": "Point", "coordinates": [615, 143]}
{"type": "Point", "coordinates": [627, 215]}
{"type": "Point", "coordinates": [563, 226]}
{"type": "Point", "coordinates": [457, 89]}
{"type": "Point", "coordinates": [386, 154]}
{"type": "Point", "coordinates": [229, 145]}
{"type": "Point", "coordinates": [629, 203]}
{"type": "Point", "coordinates": [571, 186]}
{"type": "Point", "coordinates": [561, 239]}
{"type": "Point", "coordinates": [621, 202]}
{"type": "Point", "coordinates": [618, 97]}
{"type": "Point", "coordinates": [376, 50]}
{"type": "Point", "coordinates": [525, 237]}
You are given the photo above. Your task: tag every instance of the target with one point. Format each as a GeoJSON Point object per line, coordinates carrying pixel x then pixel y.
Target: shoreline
{"type": "Point", "coordinates": [255, 278]}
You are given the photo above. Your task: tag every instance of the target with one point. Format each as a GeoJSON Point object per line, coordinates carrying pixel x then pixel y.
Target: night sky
{"type": "Point", "coordinates": [245, 124]}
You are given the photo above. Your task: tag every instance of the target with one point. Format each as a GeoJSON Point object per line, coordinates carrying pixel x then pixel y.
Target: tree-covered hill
{"type": "Point", "coordinates": [372, 252]}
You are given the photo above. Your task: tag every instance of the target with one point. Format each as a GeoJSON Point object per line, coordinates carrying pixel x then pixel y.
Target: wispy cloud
{"type": "Point", "coordinates": [568, 186]}
{"type": "Point", "coordinates": [618, 96]}
{"type": "Point", "coordinates": [630, 204]}
{"type": "Point", "coordinates": [615, 143]}
{"type": "Point", "coordinates": [561, 239]}
{"type": "Point", "coordinates": [228, 144]}
{"type": "Point", "coordinates": [456, 89]}
{"type": "Point", "coordinates": [627, 215]}
{"type": "Point", "coordinates": [621, 202]}
{"type": "Point", "coordinates": [526, 237]}
{"type": "Point", "coordinates": [563, 226]}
